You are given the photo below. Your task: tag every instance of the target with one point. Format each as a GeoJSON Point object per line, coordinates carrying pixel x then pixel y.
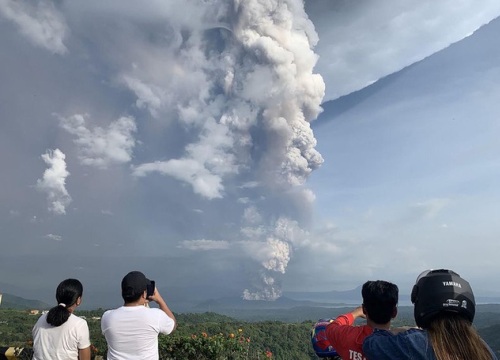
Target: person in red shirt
{"type": "Point", "coordinates": [380, 300]}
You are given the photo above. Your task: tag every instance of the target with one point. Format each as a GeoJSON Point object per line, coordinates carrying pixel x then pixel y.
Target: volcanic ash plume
{"type": "Point", "coordinates": [273, 65]}
{"type": "Point", "coordinates": [272, 247]}
{"type": "Point", "coordinates": [273, 75]}
{"type": "Point", "coordinates": [246, 90]}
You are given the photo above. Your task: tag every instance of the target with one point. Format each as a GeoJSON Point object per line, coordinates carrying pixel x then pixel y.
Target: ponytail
{"type": "Point", "coordinates": [58, 315]}
{"type": "Point", "coordinates": [67, 294]}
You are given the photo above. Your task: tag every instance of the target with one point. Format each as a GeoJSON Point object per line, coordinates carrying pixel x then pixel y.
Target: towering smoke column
{"type": "Point", "coordinates": [251, 119]}
{"type": "Point", "coordinates": [272, 73]}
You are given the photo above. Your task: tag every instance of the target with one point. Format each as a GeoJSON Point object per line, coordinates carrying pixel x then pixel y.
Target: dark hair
{"type": "Point", "coordinates": [67, 294]}
{"type": "Point", "coordinates": [130, 298]}
{"type": "Point", "coordinates": [380, 298]}
{"type": "Point", "coordinates": [133, 286]}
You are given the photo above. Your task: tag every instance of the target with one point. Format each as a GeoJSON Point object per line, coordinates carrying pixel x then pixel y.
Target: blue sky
{"type": "Point", "coordinates": [142, 138]}
{"type": "Point", "coordinates": [410, 175]}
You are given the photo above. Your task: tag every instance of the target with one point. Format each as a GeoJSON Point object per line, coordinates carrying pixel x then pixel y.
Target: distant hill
{"type": "Point", "coordinates": [353, 296]}
{"type": "Point", "coordinates": [490, 335]}
{"type": "Point", "coordinates": [237, 303]}
{"type": "Point", "coordinates": [16, 302]}
{"type": "Point", "coordinates": [331, 297]}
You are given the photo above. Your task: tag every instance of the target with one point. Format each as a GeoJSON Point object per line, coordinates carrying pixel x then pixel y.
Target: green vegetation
{"type": "Point", "coordinates": [198, 336]}
{"type": "Point", "coordinates": [15, 327]}
{"type": "Point", "coordinates": [213, 336]}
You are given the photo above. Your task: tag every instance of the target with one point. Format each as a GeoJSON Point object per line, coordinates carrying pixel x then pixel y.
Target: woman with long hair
{"type": "Point", "coordinates": [59, 334]}
{"type": "Point", "coordinates": [444, 311]}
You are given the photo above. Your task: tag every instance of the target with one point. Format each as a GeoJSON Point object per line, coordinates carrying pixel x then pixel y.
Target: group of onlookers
{"type": "Point", "coordinates": [131, 330]}
{"type": "Point", "coordinates": [444, 308]}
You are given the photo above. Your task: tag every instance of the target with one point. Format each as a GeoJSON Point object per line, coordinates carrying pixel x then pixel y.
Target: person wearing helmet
{"type": "Point", "coordinates": [444, 308]}
{"type": "Point", "coordinates": [380, 299]}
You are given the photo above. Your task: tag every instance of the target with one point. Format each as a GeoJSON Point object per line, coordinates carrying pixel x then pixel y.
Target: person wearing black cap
{"type": "Point", "coordinates": [444, 311]}
{"type": "Point", "coordinates": [131, 331]}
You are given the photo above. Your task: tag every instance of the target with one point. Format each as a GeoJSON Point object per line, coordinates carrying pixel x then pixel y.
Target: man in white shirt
{"type": "Point", "coordinates": [131, 331]}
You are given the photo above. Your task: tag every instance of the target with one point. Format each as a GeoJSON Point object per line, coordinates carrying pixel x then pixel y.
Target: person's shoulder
{"type": "Point", "coordinates": [411, 333]}
{"type": "Point", "coordinates": [415, 333]}
{"type": "Point", "coordinates": [158, 314]}
{"type": "Point", "coordinates": [42, 321]}
{"type": "Point", "coordinates": [156, 311]}
{"type": "Point", "coordinates": [381, 332]}
{"type": "Point", "coordinates": [77, 319]}
{"type": "Point", "coordinates": [110, 312]}
{"type": "Point", "coordinates": [43, 317]}
{"type": "Point", "coordinates": [349, 330]}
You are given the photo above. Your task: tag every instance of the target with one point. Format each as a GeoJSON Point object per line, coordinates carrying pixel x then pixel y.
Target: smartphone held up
{"type": "Point", "coordinates": [150, 289]}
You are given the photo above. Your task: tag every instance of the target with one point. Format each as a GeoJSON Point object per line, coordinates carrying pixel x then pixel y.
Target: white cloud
{"type": "Point", "coordinates": [249, 185]}
{"type": "Point", "coordinates": [205, 163]}
{"type": "Point", "coordinates": [54, 237]}
{"type": "Point", "coordinates": [54, 181]}
{"type": "Point", "coordinates": [40, 22]}
{"type": "Point", "coordinates": [102, 147]}
{"type": "Point", "coordinates": [202, 180]}
{"type": "Point", "coordinates": [204, 245]}
{"type": "Point", "coordinates": [148, 96]}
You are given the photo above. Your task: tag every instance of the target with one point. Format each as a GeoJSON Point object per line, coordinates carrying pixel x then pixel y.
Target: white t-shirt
{"type": "Point", "coordinates": [132, 332]}
{"type": "Point", "coordinates": [59, 342]}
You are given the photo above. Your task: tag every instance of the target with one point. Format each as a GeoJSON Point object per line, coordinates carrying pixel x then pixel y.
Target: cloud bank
{"type": "Point", "coordinates": [218, 100]}
{"type": "Point", "coordinates": [40, 23]}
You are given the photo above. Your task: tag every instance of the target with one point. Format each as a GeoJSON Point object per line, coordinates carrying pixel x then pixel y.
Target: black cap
{"type": "Point", "coordinates": [134, 283]}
